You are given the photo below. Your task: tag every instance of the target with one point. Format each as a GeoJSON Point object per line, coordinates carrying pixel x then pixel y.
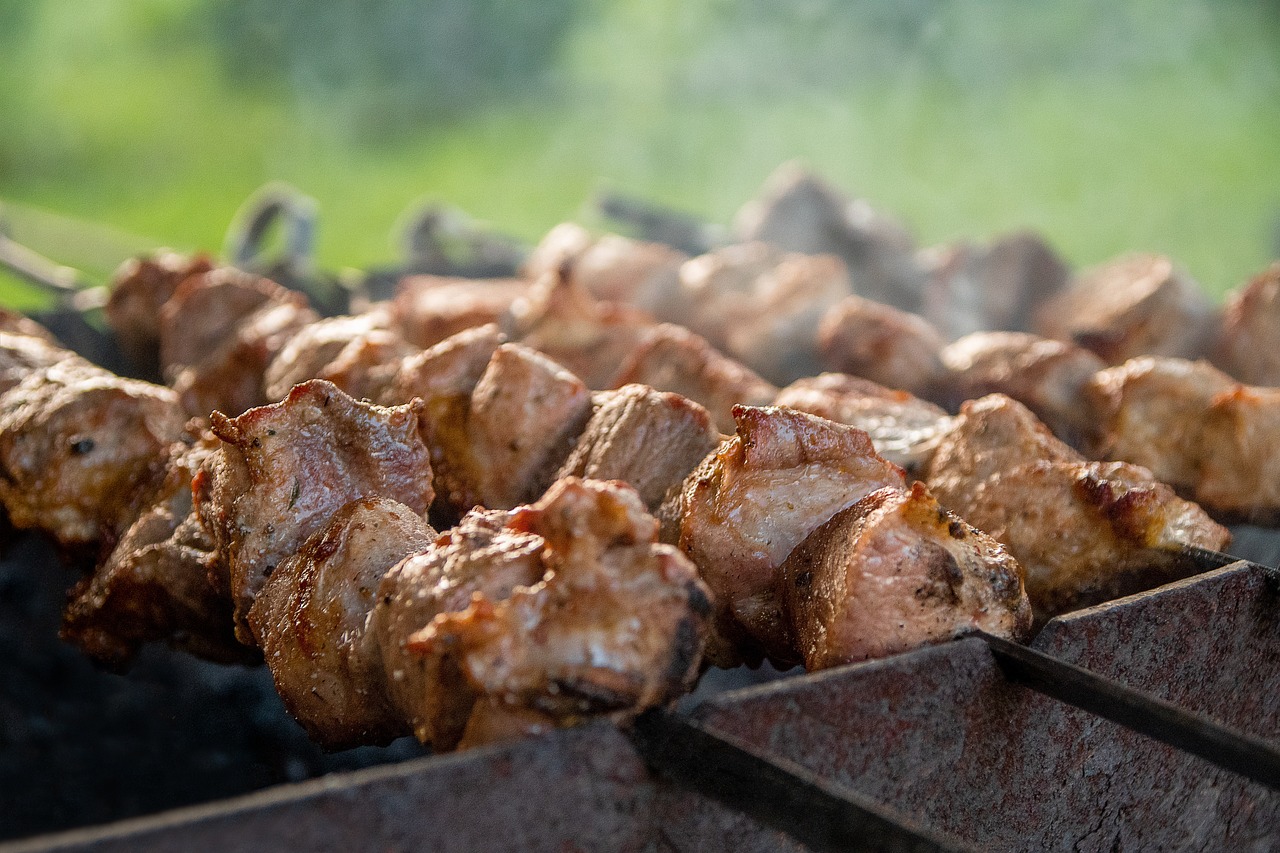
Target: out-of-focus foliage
{"type": "Point", "coordinates": [391, 63]}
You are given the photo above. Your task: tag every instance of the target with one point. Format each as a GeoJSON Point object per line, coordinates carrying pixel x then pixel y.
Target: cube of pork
{"type": "Point", "coordinates": [876, 341]}
{"type": "Point", "coordinates": [359, 354]}
{"type": "Point", "coordinates": [648, 439]}
{"type": "Point", "coordinates": [428, 308]}
{"type": "Point", "coordinates": [284, 469]}
{"type": "Point", "coordinates": [1047, 376]}
{"type": "Point", "coordinates": [1083, 531]}
{"type": "Point", "coordinates": [758, 496]}
{"type": "Point", "coordinates": [138, 290]}
{"type": "Point", "coordinates": [78, 445]}
{"type": "Point", "coordinates": [904, 429]}
{"type": "Point", "coordinates": [1248, 346]}
{"type": "Point", "coordinates": [896, 571]}
{"type": "Point", "coordinates": [1136, 305]}
{"type": "Point", "coordinates": [311, 618]}
{"type": "Point", "coordinates": [671, 358]}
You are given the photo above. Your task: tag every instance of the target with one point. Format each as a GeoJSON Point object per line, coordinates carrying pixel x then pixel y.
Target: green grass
{"type": "Point", "coordinates": [986, 121]}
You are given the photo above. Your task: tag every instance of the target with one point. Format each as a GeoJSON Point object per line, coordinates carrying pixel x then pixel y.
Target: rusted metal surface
{"type": "Point", "coordinates": [578, 790]}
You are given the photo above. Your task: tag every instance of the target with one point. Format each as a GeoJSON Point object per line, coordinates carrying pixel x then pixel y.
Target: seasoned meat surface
{"type": "Point", "coordinates": [1083, 531]}
{"type": "Point", "coordinates": [77, 443]}
{"type": "Point", "coordinates": [1047, 376]}
{"type": "Point", "coordinates": [1239, 477]}
{"type": "Point", "coordinates": [359, 354]}
{"type": "Point", "coordinates": [284, 469]}
{"type": "Point", "coordinates": [616, 625]}
{"type": "Point", "coordinates": [1249, 344]}
{"type": "Point", "coordinates": [22, 354]}
{"type": "Point", "coordinates": [311, 618]}
{"type": "Point", "coordinates": [758, 496]}
{"type": "Point", "coordinates": [154, 586]}
{"type": "Point", "coordinates": [482, 555]}
{"type": "Point", "coordinates": [1150, 412]}
{"type": "Point", "coordinates": [427, 308]}
{"type": "Point", "coordinates": [879, 342]}
{"type": "Point", "coordinates": [564, 322]}
{"type": "Point", "coordinates": [1135, 305]}
{"type": "Point", "coordinates": [896, 571]}
{"type": "Point", "coordinates": [904, 429]}
{"type": "Point", "coordinates": [645, 275]}
{"type": "Point", "coordinates": [671, 358]}
{"type": "Point", "coordinates": [138, 291]}
{"type": "Point", "coordinates": [648, 439]}
{"type": "Point", "coordinates": [218, 333]}
{"type": "Point", "coordinates": [502, 447]}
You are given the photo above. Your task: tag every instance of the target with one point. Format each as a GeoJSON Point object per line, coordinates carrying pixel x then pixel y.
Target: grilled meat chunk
{"type": "Point", "coordinates": [612, 268]}
{"type": "Point", "coordinates": [312, 616]}
{"type": "Point", "coordinates": [77, 443]}
{"type": "Point", "coordinates": [284, 469]}
{"type": "Point", "coordinates": [22, 354]}
{"type": "Point", "coordinates": [482, 555]}
{"type": "Point", "coordinates": [359, 354]}
{"type": "Point", "coordinates": [671, 358]}
{"type": "Point", "coordinates": [648, 439]}
{"type": "Point", "coordinates": [1149, 413]}
{"type": "Point", "coordinates": [428, 308]}
{"type": "Point", "coordinates": [800, 212]}
{"type": "Point", "coordinates": [615, 626]}
{"type": "Point", "coordinates": [904, 429]}
{"type": "Point", "coordinates": [1247, 346]}
{"type": "Point", "coordinates": [879, 342]}
{"type": "Point", "coordinates": [744, 509]}
{"type": "Point", "coordinates": [976, 288]}
{"type": "Point", "coordinates": [502, 447]}
{"type": "Point", "coordinates": [138, 291]}
{"type": "Point", "coordinates": [896, 571]}
{"type": "Point", "coordinates": [218, 333]}
{"type": "Point", "coordinates": [762, 306]}
{"type": "Point", "coordinates": [1205, 434]}
{"type": "Point", "coordinates": [562, 320]}
{"type": "Point", "coordinates": [1047, 376]}
{"type": "Point", "coordinates": [1083, 531]}
{"type": "Point", "coordinates": [155, 586]}
{"type": "Point", "coordinates": [1132, 306]}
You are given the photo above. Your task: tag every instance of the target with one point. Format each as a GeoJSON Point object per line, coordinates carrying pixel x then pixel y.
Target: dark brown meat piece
{"type": "Point", "coordinates": [744, 509]}
{"type": "Point", "coordinates": [284, 469]}
{"type": "Point", "coordinates": [800, 212]}
{"type": "Point", "coordinates": [563, 321]}
{"type": "Point", "coordinates": [978, 288]}
{"type": "Point", "coordinates": [427, 308]}
{"type": "Point", "coordinates": [155, 585]}
{"type": "Point", "coordinates": [218, 333]}
{"type": "Point", "coordinates": [648, 439]}
{"type": "Point", "coordinates": [312, 620]}
{"type": "Point", "coordinates": [1249, 344]}
{"type": "Point", "coordinates": [904, 429]}
{"type": "Point", "coordinates": [671, 358]}
{"type": "Point", "coordinates": [501, 448]}
{"type": "Point", "coordinates": [1083, 531]}
{"type": "Point", "coordinates": [1207, 435]}
{"type": "Point", "coordinates": [1047, 376]}
{"type": "Point", "coordinates": [1136, 305]}
{"type": "Point", "coordinates": [138, 291]}
{"type": "Point", "coordinates": [358, 354]}
{"type": "Point", "coordinates": [887, 345]}
{"type": "Point", "coordinates": [76, 443]}
{"type": "Point", "coordinates": [484, 556]}
{"type": "Point", "coordinates": [896, 571]}
{"type": "Point", "coordinates": [615, 626]}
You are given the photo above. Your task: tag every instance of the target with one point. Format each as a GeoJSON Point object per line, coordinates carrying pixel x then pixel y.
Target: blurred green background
{"type": "Point", "coordinates": [1106, 126]}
